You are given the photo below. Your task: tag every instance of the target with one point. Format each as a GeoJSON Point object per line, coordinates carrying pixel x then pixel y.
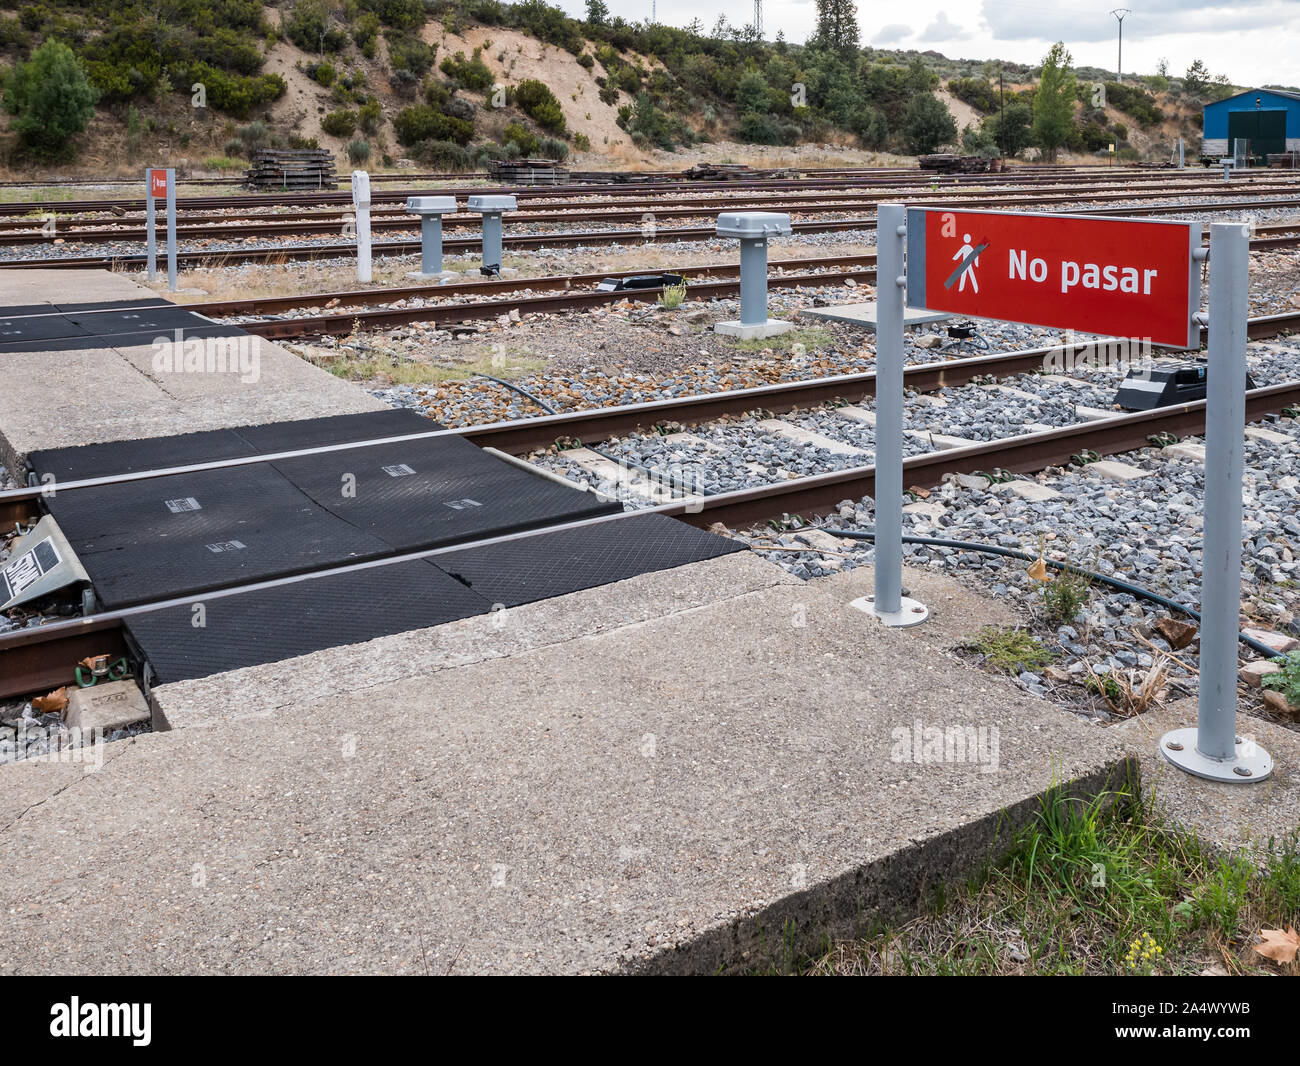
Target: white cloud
{"type": "Point", "coordinates": [892, 34]}
{"type": "Point", "coordinates": [941, 29]}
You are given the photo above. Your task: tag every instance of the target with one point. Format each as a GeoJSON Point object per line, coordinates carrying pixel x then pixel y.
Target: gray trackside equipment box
{"type": "Point", "coordinates": [749, 225]}
{"type": "Point", "coordinates": [492, 203]}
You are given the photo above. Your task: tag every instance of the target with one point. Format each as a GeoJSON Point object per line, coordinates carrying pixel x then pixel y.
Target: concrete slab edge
{"type": "Point", "coordinates": [894, 888]}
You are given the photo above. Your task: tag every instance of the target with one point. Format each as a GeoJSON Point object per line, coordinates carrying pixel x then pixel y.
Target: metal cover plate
{"type": "Point", "coordinates": [456, 492]}
{"type": "Point", "coordinates": [251, 628]}
{"type": "Point", "coordinates": [552, 564]}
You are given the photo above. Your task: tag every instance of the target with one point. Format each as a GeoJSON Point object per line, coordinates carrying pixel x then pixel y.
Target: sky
{"type": "Point", "coordinates": [1253, 42]}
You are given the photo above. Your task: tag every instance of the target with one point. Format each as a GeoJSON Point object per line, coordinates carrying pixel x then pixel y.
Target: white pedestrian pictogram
{"type": "Point", "coordinates": [965, 252]}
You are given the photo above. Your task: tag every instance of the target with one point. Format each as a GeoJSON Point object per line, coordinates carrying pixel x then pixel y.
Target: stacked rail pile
{"type": "Point", "coordinates": [292, 168]}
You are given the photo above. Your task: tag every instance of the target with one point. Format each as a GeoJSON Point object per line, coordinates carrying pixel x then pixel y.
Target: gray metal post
{"type": "Point", "coordinates": [890, 606]}
{"type": "Point", "coordinates": [492, 239]}
{"type": "Point", "coordinates": [150, 226]}
{"type": "Point", "coordinates": [753, 282]}
{"type": "Point", "coordinates": [431, 244]}
{"type": "Point", "coordinates": [171, 230]}
{"type": "Point", "coordinates": [1180, 153]}
{"type": "Point", "coordinates": [1213, 749]}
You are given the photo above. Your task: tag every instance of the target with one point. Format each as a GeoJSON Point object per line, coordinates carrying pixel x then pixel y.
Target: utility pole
{"type": "Point", "coordinates": [758, 18]}
{"type": "Point", "coordinates": [1002, 111]}
{"type": "Point", "coordinates": [1119, 14]}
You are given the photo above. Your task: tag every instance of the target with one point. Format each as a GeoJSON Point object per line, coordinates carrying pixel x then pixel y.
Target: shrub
{"type": "Point", "coordinates": [50, 98]}
{"type": "Point", "coordinates": [339, 123]}
{"type": "Point", "coordinates": [976, 92]}
{"type": "Point", "coordinates": [445, 155]}
{"type": "Point", "coordinates": [424, 123]}
{"type": "Point", "coordinates": [253, 136]}
{"type": "Point", "coordinates": [403, 82]}
{"type": "Point", "coordinates": [309, 25]}
{"type": "Point", "coordinates": [608, 94]}
{"type": "Point", "coordinates": [582, 142]}
{"type": "Point", "coordinates": [401, 14]}
{"type": "Point", "coordinates": [538, 102]}
{"type": "Point", "coordinates": [525, 140]}
{"type": "Point", "coordinates": [322, 73]}
{"type": "Point", "coordinates": [365, 32]}
{"type": "Point", "coordinates": [553, 148]}
{"type": "Point", "coordinates": [33, 16]}
{"type": "Point", "coordinates": [358, 151]}
{"type": "Point", "coordinates": [472, 73]}
{"type": "Point", "coordinates": [371, 116]}
{"type": "Point", "coordinates": [410, 53]}
{"type": "Point", "coordinates": [236, 94]}
{"type": "Point", "coordinates": [766, 129]}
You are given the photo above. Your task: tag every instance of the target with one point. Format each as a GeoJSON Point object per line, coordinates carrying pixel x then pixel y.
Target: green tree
{"type": "Point", "coordinates": [1197, 78]}
{"type": "Point", "coordinates": [597, 13]}
{"type": "Point", "coordinates": [50, 98]}
{"type": "Point", "coordinates": [837, 24]}
{"type": "Point", "coordinates": [927, 124]}
{"type": "Point", "coordinates": [1011, 129]}
{"type": "Point", "coordinates": [1054, 101]}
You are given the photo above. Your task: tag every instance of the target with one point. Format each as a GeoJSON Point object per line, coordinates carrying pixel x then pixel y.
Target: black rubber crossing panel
{"type": "Point", "coordinates": [129, 456]}
{"type": "Point", "coordinates": [113, 305]}
{"type": "Point", "coordinates": [145, 572]}
{"type": "Point", "coordinates": [209, 446]}
{"type": "Point", "coordinates": [170, 510]}
{"type": "Point", "coordinates": [434, 492]}
{"type": "Point", "coordinates": [39, 329]}
{"type": "Point", "coordinates": [552, 564]}
{"type": "Point", "coordinates": [156, 319]}
{"type": "Point", "coordinates": [335, 429]}
{"type": "Point", "coordinates": [189, 533]}
{"type": "Point", "coordinates": [252, 628]}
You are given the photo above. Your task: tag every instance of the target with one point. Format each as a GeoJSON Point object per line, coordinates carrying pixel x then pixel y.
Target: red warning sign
{"type": "Point", "coordinates": [158, 184]}
{"type": "Point", "coordinates": [1117, 277]}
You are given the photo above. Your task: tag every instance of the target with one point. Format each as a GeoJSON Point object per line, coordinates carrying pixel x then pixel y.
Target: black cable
{"type": "Point", "coordinates": [992, 549]}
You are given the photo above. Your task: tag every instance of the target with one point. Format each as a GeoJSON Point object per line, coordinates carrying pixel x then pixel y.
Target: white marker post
{"type": "Point", "coordinates": [171, 230]}
{"type": "Point", "coordinates": [361, 204]}
{"type": "Point", "coordinates": [1213, 749]}
{"type": "Point", "coordinates": [150, 224]}
{"type": "Point", "coordinates": [889, 604]}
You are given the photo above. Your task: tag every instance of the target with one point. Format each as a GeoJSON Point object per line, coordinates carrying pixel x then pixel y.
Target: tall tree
{"type": "Point", "coordinates": [50, 98]}
{"type": "Point", "coordinates": [1197, 78]}
{"type": "Point", "coordinates": [597, 13]}
{"type": "Point", "coordinates": [837, 24]}
{"type": "Point", "coordinates": [1054, 101]}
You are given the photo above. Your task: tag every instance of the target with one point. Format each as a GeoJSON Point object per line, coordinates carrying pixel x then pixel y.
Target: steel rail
{"type": "Point", "coordinates": [471, 220]}
{"type": "Point", "coordinates": [40, 657]}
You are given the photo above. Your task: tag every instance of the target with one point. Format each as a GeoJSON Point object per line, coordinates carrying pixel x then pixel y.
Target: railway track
{"type": "Point", "coordinates": [106, 231]}
{"type": "Point", "coordinates": [885, 177]}
{"type": "Point", "coordinates": [526, 242]}
{"type": "Point", "coordinates": [40, 657]}
{"type": "Point", "coordinates": [831, 270]}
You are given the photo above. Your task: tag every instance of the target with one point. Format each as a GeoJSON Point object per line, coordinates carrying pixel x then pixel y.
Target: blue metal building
{"type": "Point", "coordinates": [1268, 118]}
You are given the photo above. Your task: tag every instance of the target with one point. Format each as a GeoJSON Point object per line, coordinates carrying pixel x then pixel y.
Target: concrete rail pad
{"type": "Point", "coordinates": [91, 395]}
{"type": "Point", "coordinates": [1225, 816]}
{"type": "Point", "coordinates": [55, 285]}
{"type": "Point", "coordinates": [688, 791]}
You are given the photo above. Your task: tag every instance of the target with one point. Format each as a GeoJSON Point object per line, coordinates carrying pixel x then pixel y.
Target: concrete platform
{"type": "Point", "coordinates": [865, 315]}
{"type": "Point", "coordinates": [89, 395]}
{"type": "Point", "coordinates": [695, 770]}
{"type": "Point", "coordinates": [1222, 815]}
